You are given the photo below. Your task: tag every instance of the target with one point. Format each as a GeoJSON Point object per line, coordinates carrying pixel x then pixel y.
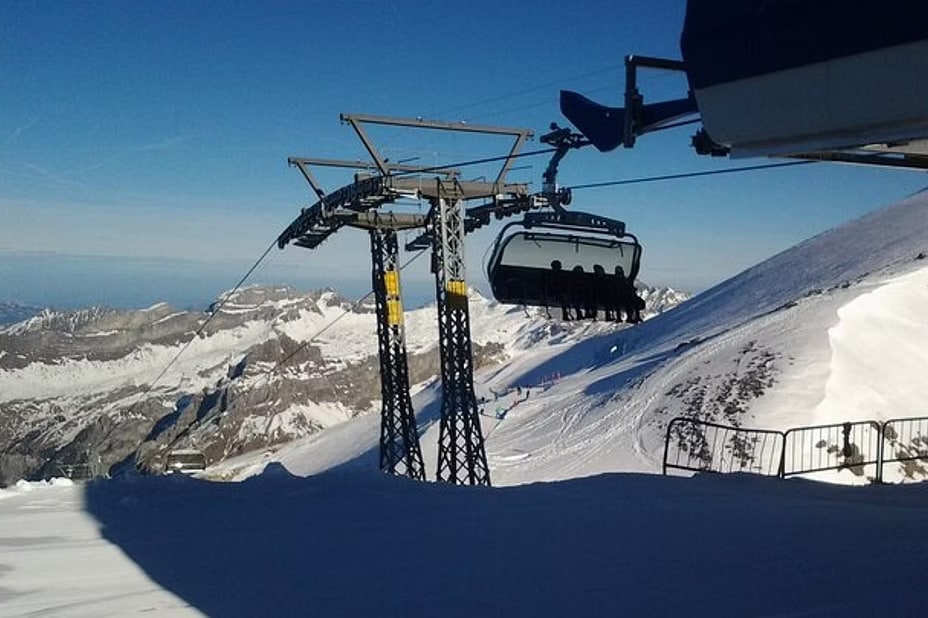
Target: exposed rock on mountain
{"type": "Point", "coordinates": [93, 388]}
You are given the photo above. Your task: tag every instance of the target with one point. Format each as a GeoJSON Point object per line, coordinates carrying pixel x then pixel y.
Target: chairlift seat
{"type": "Point", "coordinates": [520, 269]}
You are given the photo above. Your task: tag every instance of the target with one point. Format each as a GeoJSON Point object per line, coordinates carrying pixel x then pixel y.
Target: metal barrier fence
{"type": "Point", "coordinates": [74, 471]}
{"type": "Point", "coordinates": [709, 447]}
{"type": "Point", "coordinates": [863, 448]}
{"type": "Point", "coordinates": [905, 441]}
{"type": "Point", "coordinates": [845, 446]}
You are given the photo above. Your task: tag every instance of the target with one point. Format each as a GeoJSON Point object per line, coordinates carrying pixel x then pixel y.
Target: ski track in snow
{"type": "Point", "coordinates": [844, 334]}
{"type": "Point", "coordinates": [602, 416]}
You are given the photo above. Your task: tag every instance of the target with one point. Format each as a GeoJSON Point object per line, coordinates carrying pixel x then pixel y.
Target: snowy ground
{"type": "Point", "coordinates": [360, 544]}
{"type": "Point", "coordinates": [837, 326]}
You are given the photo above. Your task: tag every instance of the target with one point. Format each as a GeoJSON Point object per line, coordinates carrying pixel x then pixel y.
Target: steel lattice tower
{"type": "Point", "coordinates": [400, 453]}
{"type": "Point", "coordinates": [360, 204]}
{"type": "Point", "coordinates": [461, 455]}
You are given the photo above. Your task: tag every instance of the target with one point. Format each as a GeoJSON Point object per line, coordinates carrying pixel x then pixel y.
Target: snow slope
{"type": "Point", "coordinates": [828, 331]}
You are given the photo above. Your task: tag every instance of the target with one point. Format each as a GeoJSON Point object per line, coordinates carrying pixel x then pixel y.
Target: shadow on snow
{"type": "Point", "coordinates": [342, 544]}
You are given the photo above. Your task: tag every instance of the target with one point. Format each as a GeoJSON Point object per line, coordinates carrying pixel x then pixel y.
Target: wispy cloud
{"type": "Point", "coordinates": [162, 145]}
{"type": "Point", "coordinates": [62, 177]}
{"type": "Point", "coordinates": [167, 143]}
{"type": "Point", "coordinates": [15, 133]}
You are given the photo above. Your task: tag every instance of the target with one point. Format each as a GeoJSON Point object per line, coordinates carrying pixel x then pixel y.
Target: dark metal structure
{"type": "Point", "coordinates": [700, 446]}
{"type": "Point", "coordinates": [400, 453]}
{"type": "Point", "coordinates": [461, 454]}
{"type": "Point", "coordinates": [905, 442]}
{"type": "Point", "coordinates": [844, 90]}
{"type": "Point", "coordinates": [379, 183]}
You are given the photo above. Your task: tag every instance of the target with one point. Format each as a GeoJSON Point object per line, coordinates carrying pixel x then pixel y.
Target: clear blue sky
{"type": "Point", "coordinates": [143, 145]}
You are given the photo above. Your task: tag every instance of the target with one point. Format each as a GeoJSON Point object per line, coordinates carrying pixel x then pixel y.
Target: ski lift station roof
{"type": "Point", "coordinates": [788, 77]}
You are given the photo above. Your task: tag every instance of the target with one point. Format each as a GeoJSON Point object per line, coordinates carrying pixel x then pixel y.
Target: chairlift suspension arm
{"type": "Point", "coordinates": [563, 140]}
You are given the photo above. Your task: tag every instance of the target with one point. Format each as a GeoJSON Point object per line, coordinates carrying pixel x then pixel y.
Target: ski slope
{"type": "Point", "coordinates": [831, 330]}
{"type": "Point", "coordinates": [834, 329]}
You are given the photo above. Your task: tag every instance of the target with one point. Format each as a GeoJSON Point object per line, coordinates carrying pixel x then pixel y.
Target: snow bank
{"type": "Point", "coordinates": [24, 487]}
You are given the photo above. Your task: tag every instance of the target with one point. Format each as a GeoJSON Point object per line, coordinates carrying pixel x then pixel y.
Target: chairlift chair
{"type": "Point", "coordinates": [589, 249]}
{"type": "Point", "coordinates": [185, 460]}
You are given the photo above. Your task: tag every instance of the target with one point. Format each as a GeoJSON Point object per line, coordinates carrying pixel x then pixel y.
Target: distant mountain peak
{"type": "Point", "coordinates": [11, 313]}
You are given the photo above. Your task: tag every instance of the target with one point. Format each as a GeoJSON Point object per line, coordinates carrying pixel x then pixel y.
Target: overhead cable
{"type": "Point", "coordinates": [445, 167]}
{"type": "Point", "coordinates": [732, 170]}
{"type": "Point", "coordinates": [203, 326]}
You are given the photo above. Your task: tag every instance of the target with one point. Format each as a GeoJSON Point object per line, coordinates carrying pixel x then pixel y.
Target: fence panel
{"type": "Point", "coordinates": [905, 441]}
{"type": "Point", "coordinates": [74, 471]}
{"type": "Point", "coordinates": [842, 446]}
{"type": "Point", "coordinates": [859, 447]}
{"type": "Point", "coordinates": [701, 446]}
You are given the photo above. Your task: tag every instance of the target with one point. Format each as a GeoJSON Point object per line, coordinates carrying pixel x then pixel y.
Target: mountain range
{"type": "Point", "coordinates": [830, 331]}
{"type": "Point", "coordinates": [14, 312]}
{"type": "Point", "coordinates": [263, 366]}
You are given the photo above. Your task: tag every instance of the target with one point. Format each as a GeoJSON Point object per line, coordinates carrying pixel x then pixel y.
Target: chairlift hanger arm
{"type": "Point", "coordinates": [563, 140]}
{"type": "Point", "coordinates": [610, 127]}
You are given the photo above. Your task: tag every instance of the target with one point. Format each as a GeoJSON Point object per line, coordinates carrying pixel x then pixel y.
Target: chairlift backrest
{"type": "Point", "coordinates": [539, 249]}
{"type": "Point", "coordinates": [577, 253]}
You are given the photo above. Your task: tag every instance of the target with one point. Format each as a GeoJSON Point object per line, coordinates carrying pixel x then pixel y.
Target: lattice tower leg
{"type": "Point", "coordinates": [400, 453]}
{"type": "Point", "coordinates": [461, 455]}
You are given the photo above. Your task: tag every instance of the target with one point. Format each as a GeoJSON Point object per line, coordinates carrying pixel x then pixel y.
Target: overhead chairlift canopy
{"type": "Point", "coordinates": [780, 77]}
{"type": "Point", "coordinates": [823, 80]}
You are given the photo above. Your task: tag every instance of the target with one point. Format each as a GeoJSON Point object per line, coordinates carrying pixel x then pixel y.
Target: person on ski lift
{"type": "Point", "coordinates": [590, 297]}
{"type": "Point", "coordinates": [637, 306]}
{"type": "Point", "coordinates": [625, 295]}
{"type": "Point", "coordinates": [579, 292]}
{"type": "Point", "coordinates": [629, 300]}
{"type": "Point", "coordinates": [555, 283]}
{"type": "Point", "coordinates": [603, 292]}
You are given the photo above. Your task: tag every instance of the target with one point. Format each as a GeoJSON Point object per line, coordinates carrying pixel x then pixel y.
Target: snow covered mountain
{"type": "Point", "coordinates": [832, 330]}
{"type": "Point", "coordinates": [271, 365]}
{"type": "Point", "coordinates": [14, 312]}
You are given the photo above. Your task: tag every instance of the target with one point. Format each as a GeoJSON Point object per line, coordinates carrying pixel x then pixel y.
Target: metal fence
{"type": "Point", "coordinates": [905, 441]}
{"type": "Point", "coordinates": [78, 471]}
{"type": "Point", "coordinates": [862, 447]}
{"type": "Point", "coordinates": [843, 446]}
{"type": "Point", "coordinates": [700, 446]}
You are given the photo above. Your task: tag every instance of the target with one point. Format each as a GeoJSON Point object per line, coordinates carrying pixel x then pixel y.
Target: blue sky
{"type": "Point", "coordinates": [143, 145]}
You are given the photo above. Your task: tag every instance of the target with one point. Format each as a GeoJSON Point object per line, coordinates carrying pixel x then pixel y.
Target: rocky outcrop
{"type": "Point", "coordinates": [95, 389]}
